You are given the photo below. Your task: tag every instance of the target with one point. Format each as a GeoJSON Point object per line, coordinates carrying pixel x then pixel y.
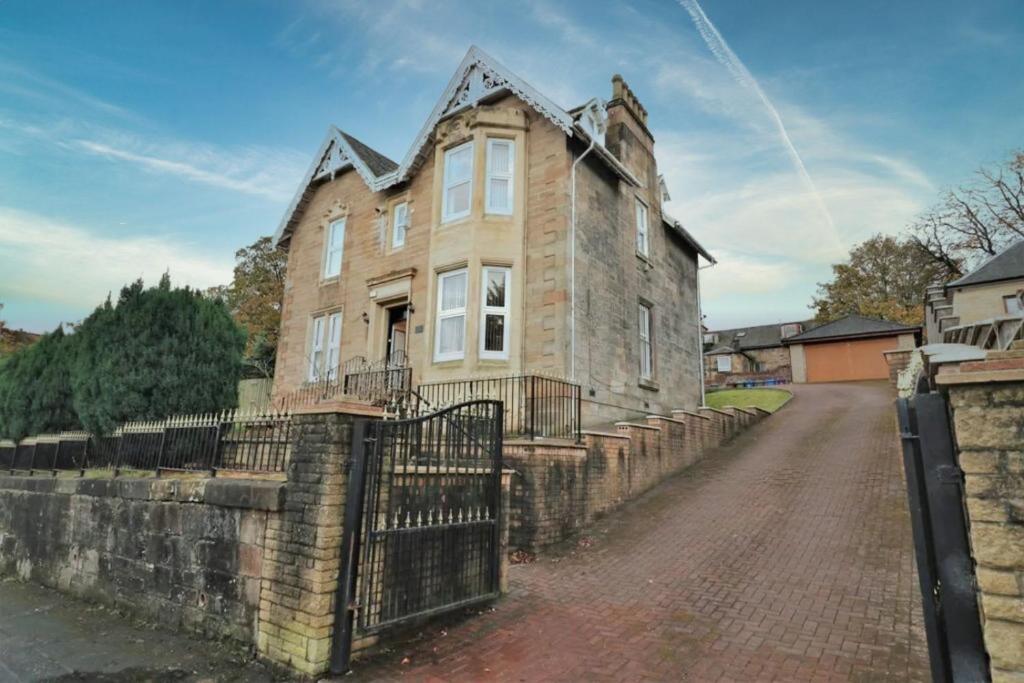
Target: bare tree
{"type": "Point", "coordinates": [975, 220]}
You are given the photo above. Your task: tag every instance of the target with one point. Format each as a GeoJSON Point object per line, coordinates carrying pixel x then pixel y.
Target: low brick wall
{"type": "Point", "coordinates": [184, 553]}
{"type": "Point", "coordinates": [987, 399]}
{"type": "Point", "coordinates": [558, 488]}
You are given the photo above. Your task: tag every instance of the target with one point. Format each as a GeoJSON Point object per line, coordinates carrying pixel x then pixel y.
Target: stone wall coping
{"type": "Point", "coordinates": [543, 443]}
{"type": "Point", "coordinates": [748, 411]}
{"type": "Point", "coordinates": [716, 410]}
{"type": "Point", "coordinates": [762, 411]}
{"type": "Point", "coordinates": [607, 435]}
{"type": "Point", "coordinates": [339, 407]}
{"type": "Point", "coordinates": [667, 419]}
{"type": "Point", "coordinates": [983, 377]}
{"type": "Point", "coordinates": [894, 352]}
{"type": "Point", "coordinates": [237, 493]}
{"type": "Point", "coordinates": [636, 425]}
{"type": "Point", "coordinates": [691, 413]}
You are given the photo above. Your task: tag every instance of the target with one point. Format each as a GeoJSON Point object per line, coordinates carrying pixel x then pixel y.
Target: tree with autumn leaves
{"type": "Point", "coordinates": [254, 299]}
{"type": "Point", "coordinates": [886, 277]}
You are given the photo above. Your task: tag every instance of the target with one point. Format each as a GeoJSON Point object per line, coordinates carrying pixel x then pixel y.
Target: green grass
{"type": "Point", "coordinates": [766, 399]}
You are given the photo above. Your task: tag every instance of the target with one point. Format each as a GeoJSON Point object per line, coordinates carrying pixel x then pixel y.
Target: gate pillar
{"type": "Point", "coordinates": [300, 565]}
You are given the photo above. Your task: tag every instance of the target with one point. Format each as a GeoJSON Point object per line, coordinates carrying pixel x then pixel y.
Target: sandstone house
{"type": "Point", "coordinates": [514, 239]}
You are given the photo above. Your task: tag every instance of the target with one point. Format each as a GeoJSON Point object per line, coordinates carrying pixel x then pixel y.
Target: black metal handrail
{"type": "Point", "coordinates": [536, 406]}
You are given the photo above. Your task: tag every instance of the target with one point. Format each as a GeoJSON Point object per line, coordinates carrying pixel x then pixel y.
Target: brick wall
{"type": "Point", "coordinates": [559, 488]}
{"type": "Point", "coordinates": [987, 399]}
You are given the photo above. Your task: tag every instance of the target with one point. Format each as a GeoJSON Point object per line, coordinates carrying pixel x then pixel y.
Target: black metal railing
{"type": "Point", "coordinates": [229, 440]}
{"type": "Point", "coordinates": [535, 405]}
{"type": "Point", "coordinates": [379, 383]}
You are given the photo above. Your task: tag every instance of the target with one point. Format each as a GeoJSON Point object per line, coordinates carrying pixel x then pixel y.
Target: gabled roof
{"type": "Point", "coordinates": [851, 326]}
{"type": "Point", "coordinates": [1006, 265]}
{"type": "Point", "coordinates": [479, 78]}
{"type": "Point", "coordinates": [756, 336]}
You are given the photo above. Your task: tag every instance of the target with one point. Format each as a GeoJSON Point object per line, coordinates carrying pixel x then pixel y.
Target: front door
{"type": "Point", "coordinates": [398, 320]}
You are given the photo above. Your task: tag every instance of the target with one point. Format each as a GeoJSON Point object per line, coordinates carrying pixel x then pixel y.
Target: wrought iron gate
{"type": "Point", "coordinates": [944, 566]}
{"type": "Point", "coordinates": [422, 520]}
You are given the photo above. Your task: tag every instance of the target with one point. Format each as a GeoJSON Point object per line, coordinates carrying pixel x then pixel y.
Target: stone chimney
{"type": "Point", "coordinates": [628, 137]}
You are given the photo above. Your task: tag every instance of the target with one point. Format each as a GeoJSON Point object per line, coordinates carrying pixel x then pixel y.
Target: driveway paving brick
{"type": "Point", "coordinates": [787, 555]}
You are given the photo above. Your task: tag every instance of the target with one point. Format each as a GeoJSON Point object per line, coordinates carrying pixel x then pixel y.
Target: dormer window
{"type": "Point", "coordinates": [458, 183]}
{"type": "Point", "coordinates": [791, 329]}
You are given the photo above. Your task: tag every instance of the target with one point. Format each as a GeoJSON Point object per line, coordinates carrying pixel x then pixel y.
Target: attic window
{"type": "Point", "coordinates": [741, 334]}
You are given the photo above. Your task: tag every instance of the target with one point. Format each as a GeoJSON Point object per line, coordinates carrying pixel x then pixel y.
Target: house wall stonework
{"type": "Point", "coordinates": [612, 279]}
{"type": "Point", "coordinates": [535, 242]}
{"type": "Point", "coordinates": [981, 302]}
{"type": "Point", "coordinates": [987, 399]}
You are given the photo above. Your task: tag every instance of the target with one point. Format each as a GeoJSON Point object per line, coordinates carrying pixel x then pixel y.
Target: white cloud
{"type": "Point", "coordinates": [50, 261]}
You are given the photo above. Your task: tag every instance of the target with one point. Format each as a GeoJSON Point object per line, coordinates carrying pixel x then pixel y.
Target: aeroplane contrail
{"type": "Point", "coordinates": [727, 58]}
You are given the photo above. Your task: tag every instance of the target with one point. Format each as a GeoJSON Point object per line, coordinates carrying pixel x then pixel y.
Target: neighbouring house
{"type": "Point", "coordinates": [995, 289]}
{"type": "Point", "coordinates": [850, 348]}
{"type": "Point", "coordinates": [750, 354]}
{"type": "Point", "coordinates": [515, 238]}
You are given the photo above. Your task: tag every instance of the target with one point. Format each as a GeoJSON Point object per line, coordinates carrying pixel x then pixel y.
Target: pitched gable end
{"type": "Point", "coordinates": [478, 78]}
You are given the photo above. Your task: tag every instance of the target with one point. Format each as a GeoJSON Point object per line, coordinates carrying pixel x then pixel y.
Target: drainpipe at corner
{"type": "Point", "coordinates": [572, 267]}
{"type": "Point", "coordinates": [700, 332]}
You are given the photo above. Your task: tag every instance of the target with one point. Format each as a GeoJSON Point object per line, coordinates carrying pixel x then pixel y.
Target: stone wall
{"type": "Point", "coordinates": [558, 488]}
{"type": "Point", "coordinates": [987, 399]}
{"type": "Point", "coordinates": [184, 553]}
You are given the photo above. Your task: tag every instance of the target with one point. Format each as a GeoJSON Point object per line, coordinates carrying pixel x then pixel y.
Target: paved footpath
{"type": "Point", "coordinates": [787, 556]}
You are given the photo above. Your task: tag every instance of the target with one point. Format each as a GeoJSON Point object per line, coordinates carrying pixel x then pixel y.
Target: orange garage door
{"type": "Point", "coordinates": [842, 361]}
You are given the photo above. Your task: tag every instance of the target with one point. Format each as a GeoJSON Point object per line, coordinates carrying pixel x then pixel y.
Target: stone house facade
{"type": "Point", "coordinates": [995, 289]}
{"type": "Point", "coordinates": [515, 237]}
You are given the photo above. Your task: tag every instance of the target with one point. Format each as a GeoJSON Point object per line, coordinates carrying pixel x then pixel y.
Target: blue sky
{"type": "Point", "coordinates": [141, 137]}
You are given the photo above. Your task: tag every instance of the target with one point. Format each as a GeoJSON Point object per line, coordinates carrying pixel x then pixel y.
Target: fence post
{"type": "Point", "coordinates": [117, 454]}
{"type": "Point", "coordinates": [533, 405]}
{"type": "Point", "coordinates": [344, 607]}
{"type": "Point", "coordinates": [56, 456]}
{"type": "Point", "coordinates": [578, 391]}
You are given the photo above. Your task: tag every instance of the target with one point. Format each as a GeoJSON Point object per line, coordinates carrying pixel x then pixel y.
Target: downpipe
{"type": "Point", "coordinates": [572, 266]}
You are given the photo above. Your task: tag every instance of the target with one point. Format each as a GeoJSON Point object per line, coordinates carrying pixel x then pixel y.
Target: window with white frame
{"type": "Point", "coordinates": [646, 343]}
{"type": "Point", "coordinates": [333, 346]}
{"type": "Point", "coordinates": [494, 314]}
{"type": "Point", "coordinates": [334, 248]}
{"type": "Point", "coordinates": [643, 238]}
{"type": "Point", "coordinates": [316, 349]}
{"type": "Point", "coordinates": [450, 342]}
{"type": "Point", "coordinates": [324, 347]}
{"type": "Point", "coordinates": [399, 225]}
{"type": "Point", "coordinates": [724, 363]}
{"type": "Point", "coordinates": [500, 164]}
{"type": "Point", "coordinates": [458, 182]}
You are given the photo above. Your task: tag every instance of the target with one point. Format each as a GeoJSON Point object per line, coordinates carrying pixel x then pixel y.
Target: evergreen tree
{"type": "Point", "coordinates": [157, 352]}
{"type": "Point", "coordinates": [35, 388]}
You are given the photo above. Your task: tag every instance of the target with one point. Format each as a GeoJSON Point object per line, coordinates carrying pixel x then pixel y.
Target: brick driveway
{"type": "Point", "coordinates": [786, 556]}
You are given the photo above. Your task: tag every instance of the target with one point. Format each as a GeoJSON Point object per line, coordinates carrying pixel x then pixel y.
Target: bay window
{"type": "Point", "coordinates": [450, 341]}
{"type": "Point", "coordinates": [500, 165]}
{"type": "Point", "coordinates": [494, 314]}
{"type": "Point", "coordinates": [458, 183]}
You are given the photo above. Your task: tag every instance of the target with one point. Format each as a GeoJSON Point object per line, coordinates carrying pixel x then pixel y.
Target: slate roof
{"type": "Point", "coordinates": [1006, 265]}
{"type": "Point", "coordinates": [851, 326]}
{"type": "Point", "coordinates": [755, 337]}
{"type": "Point", "coordinates": [686, 236]}
{"type": "Point", "coordinates": [377, 162]}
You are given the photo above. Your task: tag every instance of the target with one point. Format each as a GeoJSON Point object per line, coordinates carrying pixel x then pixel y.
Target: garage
{"type": "Point", "coordinates": [849, 349]}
